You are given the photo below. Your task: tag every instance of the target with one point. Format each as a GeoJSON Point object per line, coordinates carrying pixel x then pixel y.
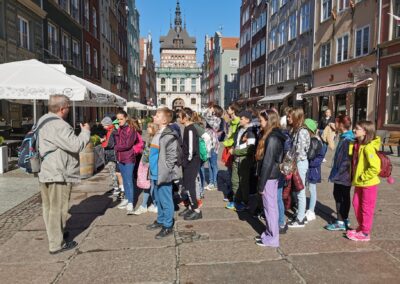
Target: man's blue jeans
{"type": "Point", "coordinates": [165, 204]}
{"type": "Point", "coordinates": [127, 178]}
{"type": "Point", "coordinates": [213, 167]}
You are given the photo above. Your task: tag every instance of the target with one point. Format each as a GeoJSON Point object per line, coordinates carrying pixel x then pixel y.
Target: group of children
{"type": "Point", "coordinates": [271, 157]}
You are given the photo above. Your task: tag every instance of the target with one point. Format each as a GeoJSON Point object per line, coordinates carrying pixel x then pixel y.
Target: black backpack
{"type": "Point", "coordinates": [28, 153]}
{"type": "Point", "coordinates": [315, 148]}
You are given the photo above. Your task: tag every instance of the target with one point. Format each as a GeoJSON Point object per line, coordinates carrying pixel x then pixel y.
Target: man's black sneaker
{"type": "Point", "coordinates": [154, 226]}
{"type": "Point", "coordinates": [184, 212]}
{"type": "Point", "coordinates": [164, 233]}
{"type": "Point", "coordinates": [283, 229]}
{"type": "Point", "coordinates": [193, 216]}
{"type": "Point", "coordinates": [65, 247]}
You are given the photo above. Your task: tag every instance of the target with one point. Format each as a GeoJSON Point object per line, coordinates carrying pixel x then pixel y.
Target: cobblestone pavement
{"type": "Point", "coordinates": [116, 248]}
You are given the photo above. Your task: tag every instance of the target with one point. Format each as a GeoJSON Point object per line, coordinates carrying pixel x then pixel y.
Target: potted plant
{"type": "Point", "coordinates": [3, 156]}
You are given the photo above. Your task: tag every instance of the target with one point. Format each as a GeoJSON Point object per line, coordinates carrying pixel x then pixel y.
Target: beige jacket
{"type": "Point", "coordinates": [328, 136]}
{"type": "Point", "coordinates": [60, 147]}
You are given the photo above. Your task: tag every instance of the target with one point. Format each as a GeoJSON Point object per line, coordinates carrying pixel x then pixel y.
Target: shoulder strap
{"type": "Point", "coordinates": [37, 128]}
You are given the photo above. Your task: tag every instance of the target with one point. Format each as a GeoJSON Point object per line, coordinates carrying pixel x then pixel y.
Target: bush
{"type": "Point", "coordinates": [1, 140]}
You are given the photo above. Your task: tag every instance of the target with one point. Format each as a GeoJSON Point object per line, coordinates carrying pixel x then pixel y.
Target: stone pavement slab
{"type": "Point", "coordinates": [244, 272]}
{"type": "Point", "coordinates": [347, 267]}
{"type": "Point", "coordinates": [30, 273]}
{"type": "Point", "coordinates": [204, 252]}
{"type": "Point", "coordinates": [150, 265]}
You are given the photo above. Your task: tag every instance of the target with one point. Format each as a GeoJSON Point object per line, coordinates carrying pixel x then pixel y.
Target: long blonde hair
{"type": "Point", "coordinates": [273, 121]}
{"type": "Point", "coordinates": [154, 128]}
{"type": "Point", "coordinates": [297, 114]}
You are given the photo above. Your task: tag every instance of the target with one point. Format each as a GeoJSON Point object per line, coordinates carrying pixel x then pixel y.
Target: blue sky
{"type": "Point", "coordinates": [202, 17]}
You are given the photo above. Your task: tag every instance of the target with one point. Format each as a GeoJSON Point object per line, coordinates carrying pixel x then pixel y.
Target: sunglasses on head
{"type": "Point", "coordinates": [264, 113]}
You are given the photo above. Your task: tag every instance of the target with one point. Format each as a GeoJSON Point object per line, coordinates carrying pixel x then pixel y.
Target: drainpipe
{"type": "Point", "coordinates": [378, 52]}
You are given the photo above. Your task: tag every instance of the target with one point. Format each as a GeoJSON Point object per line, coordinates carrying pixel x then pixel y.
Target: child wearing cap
{"type": "Point", "coordinates": [316, 155]}
{"type": "Point", "coordinates": [243, 152]}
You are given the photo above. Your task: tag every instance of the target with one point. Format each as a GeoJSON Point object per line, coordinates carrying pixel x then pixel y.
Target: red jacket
{"type": "Point", "coordinates": [125, 139]}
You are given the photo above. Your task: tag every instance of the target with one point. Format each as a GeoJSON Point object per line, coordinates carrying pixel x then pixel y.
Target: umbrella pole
{"type": "Point", "coordinates": [34, 112]}
{"type": "Point", "coordinates": [73, 114]}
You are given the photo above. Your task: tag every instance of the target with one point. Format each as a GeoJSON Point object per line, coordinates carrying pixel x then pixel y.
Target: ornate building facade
{"type": "Point", "coordinates": [179, 76]}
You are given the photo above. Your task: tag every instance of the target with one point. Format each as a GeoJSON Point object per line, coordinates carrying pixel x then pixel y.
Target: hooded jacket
{"type": "Point", "coordinates": [314, 165]}
{"type": "Point", "coordinates": [366, 163]}
{"type": "Point", "coordinates": [273, 155]}
{"type": "Point", "coordinates": [168, 170]}
{"type": "Point", "coordinates": [125, 138]}
{"type": "Point", "coordinates": [341, 169]}
{"type": "Point", "coordinates": [233, 127]}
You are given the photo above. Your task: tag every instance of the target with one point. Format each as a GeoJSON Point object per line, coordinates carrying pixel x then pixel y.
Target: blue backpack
{"type": "Point", "coordinates": [28, 153]}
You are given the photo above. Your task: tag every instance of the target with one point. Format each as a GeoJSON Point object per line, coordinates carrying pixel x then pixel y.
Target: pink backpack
{"type": "Point", "coordinates": [138, 147]}
{"type": "Point", "coordinates": [142, 180]}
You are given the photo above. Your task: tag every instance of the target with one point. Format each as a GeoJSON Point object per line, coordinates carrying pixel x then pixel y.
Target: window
{"type": "Point", "coordinates": [325, 59]}
{"type": "Point", "coordinates": [281, 70]}
{"type": "Point", "coordinates": [396, 11]}
{"type": "Point", "coordinates": [232, 77]}
{"type": "Point", "coordinates": [245, 15]}
{"type": "Point", "coordinates": [271, 70]}
{"type": "Point", "coordinates": [193, 101]}
{"type": "Point", "coordinates": [274, 6]}
{"type": "Point", "coordinates": [174, 85]}
{"type": "Point", "coordinates": [233, 62]}
{"type": "Point", "coordinates": [304, 61]}
{"type": "Point", "coordinates": [163, 101]}
{"type": "Point", "coordinates": [94, 15]}
{"type": "Point", "coordinates": [95, 64]}
{"type": "Point", "coordinates": [343, 4]}
{"type": "Point", "coordinates": [292, 26]}
{"type": "Point", "coordinates": [362, 41]}
{"type": "Point", "coordinates": [182, 84]}
{"type": "Point", "coordinates": [66, 47]}
{"type": "Point", "coordinates": [75, 10]}
{"type": "Point", "coordinates": [65, 5]}
{"type": "Point", "coordinates": [87, 57]}
{"type": "Point", "coordinates": [23, 32]}
{"type": "Point", "coordinates": [272, 40]}
{"type": "Point", "coordinates": [86, 15]}
{"type": "Point", "coordinates": [283, 2]}
{"type": "Point", "coordinates": [394, 103]}
{"type": "Point", "coordinates": [52, 38]}
{"type": "Point", "coordinates": [162, 84]}
{"type": "Point", "coordinates": [305, 17]}
{"type": "Point", "coordinates": [326, 9]}
{"type": "Point", "coordinates": [76, 54]}
{"type": "Point", "coordinates": [291, 67]}
{"type": "Point", "coordinates": [262, 46]}
{"type": "Point", "coordinates": [194, 84]}
{"type": "Point", "coordinates": [262, 74]}
{"type": "Point", "coordinates": [282, 33]}
{"type": "Point", "coordinates": [342, 48]}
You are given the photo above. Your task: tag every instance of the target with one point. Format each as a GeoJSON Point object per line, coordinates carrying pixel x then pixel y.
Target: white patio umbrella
{"type": "Point", "coordinates": [34, 80]}
{"type": "Point", "coordinates": [136, 105]}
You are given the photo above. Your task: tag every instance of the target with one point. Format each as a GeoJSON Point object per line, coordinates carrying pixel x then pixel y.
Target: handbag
{"type": "Point", "coordinates": [142, 176]}
{"type": "Point", "coordinates": [227, 158]}
{"type": "Point", "coordinates": [297, 182]}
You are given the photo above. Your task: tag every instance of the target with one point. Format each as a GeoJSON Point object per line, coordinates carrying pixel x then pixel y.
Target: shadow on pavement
{"type": "Point", "coordinates": [84, 213]}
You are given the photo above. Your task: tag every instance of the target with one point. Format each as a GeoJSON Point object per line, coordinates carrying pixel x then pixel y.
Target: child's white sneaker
{"type": "Point", "coordinates": [123, 204]}
{"type": "Point", "coordinates": [152, 209]}
{"type": "Point", "coordinates": [140, 210]}
{"type": "Point", "coordinates": [310, 215]}
{"type": "Point", "coordinates": [129, 209]}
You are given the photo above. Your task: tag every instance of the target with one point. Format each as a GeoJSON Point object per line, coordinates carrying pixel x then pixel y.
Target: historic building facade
{"type": "Point", "coordinates": [133, 52]}
{"type": "Point", "coordinates": [344, 60]}
{"type": "Point", "coordinates": [21, 38]}
{"type": "Point", "coordinates": [148, 95]}
{"type": "Point", "coordinates": [220, 83]}
{"type": "Point", "coordinates": [178, 77]}
{"type": "Point", "coordinates": [289, 52]}
{"type": "Point", "coordinates": [253, 32]}
{"type": "Point", "coordinates": [388, 98]}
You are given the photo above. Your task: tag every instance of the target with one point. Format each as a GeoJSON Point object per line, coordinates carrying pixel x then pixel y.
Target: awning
{"type": "Point", "coordinates": [274, 98]}
{"type": "Point", "coordinates": [249, 100]}
{"type": "Point", "coordinates": [136, 105]}
{"type": "Point", "coordinates": [332, 90]}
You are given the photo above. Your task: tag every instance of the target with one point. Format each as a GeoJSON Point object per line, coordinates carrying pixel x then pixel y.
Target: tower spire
{"type": "Point", "coordinates": [178, 18]}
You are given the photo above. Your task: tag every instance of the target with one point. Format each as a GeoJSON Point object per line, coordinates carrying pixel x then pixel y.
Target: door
{"type": "Point", "coordinates": [340, 105]}
{"type": "Point", "coordinates": [360, 104]}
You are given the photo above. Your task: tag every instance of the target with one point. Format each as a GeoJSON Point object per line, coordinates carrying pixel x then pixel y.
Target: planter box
{"type": "Point", "coordinates": [3, 159]}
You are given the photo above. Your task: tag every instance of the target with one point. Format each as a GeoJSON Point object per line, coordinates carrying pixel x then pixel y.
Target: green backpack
{"type": "Point", "coordinates": [203, 150]}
